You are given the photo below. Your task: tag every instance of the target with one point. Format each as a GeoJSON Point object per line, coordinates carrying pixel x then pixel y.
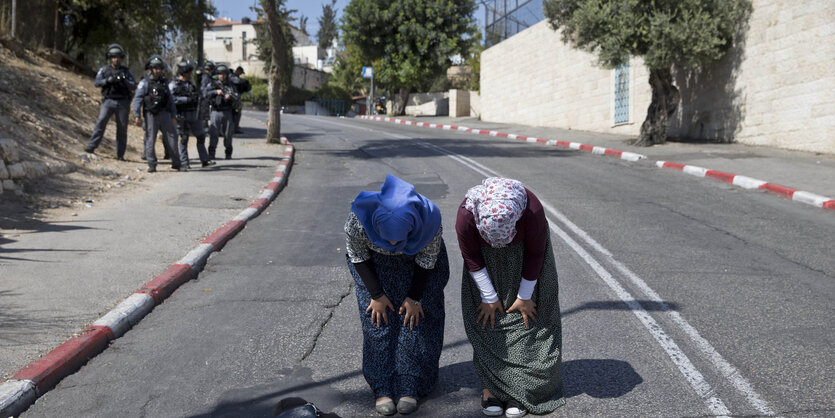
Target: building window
{"type": "Point", "coordinates": [243, 45]}
{"type": "Point", "coordinates": [622, 93]}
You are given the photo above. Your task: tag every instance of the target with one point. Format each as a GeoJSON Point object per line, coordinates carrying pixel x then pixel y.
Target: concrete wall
{"type": "Point", "coordinates": [308, 78]}
{"type": "Point", "coordinates": [774, 88]}
{"type": "Point", "coordinates": [427, 104]}
{"type": "Point", "coordinates": [459, 103]}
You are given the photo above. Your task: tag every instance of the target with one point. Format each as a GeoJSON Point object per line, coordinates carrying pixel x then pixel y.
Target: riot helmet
{"type": "Point", "coordinates": [209, 66]}
{"type": "Point", "coordinates": [155, 62]}
{"type": "Point", "coordinates": [221, 69]}
{"type": "Point", "coordinates": [115, 50]}
{"type": "Point", "coordinates": [184, 67]}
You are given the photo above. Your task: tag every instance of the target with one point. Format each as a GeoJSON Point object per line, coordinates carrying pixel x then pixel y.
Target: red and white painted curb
{"type": "Point", "coordinates": [19, 392]}
{"type": "Point", "coordinates": [751, 183]}
{"type": "Point", "coordinates": [742, 181]}
{"type": "Point", "coordinates": [623, 155]}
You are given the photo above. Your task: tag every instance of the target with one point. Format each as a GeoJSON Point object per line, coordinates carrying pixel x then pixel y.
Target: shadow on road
{"type": "Point", "coordinates": [599, 378]}
{"type": "Point", "coordinates": [612, 305]}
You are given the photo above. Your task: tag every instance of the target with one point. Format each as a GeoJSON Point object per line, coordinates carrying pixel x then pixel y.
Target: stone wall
{"type": "Point", "coordinates": [534, 79]}
{"type": "Point", "coordinates": [14, 170]}
{"type": "Point", "coordinates": [427, 104]}
{"type": "Point", "coordinates": [459, 103]}
{"type": "Point", "coordinates": [774, 88]}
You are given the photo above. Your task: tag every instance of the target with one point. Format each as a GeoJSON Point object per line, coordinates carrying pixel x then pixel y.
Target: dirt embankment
{"type": "Point", "coordinates": [47, 113]}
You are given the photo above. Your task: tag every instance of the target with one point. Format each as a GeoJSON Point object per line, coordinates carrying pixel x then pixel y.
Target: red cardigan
{"type": "Point", "coordinates": [531, 228]}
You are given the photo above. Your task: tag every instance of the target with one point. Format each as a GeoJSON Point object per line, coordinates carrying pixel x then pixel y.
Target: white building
{"type": "Point", "coordinates": [230, 42]}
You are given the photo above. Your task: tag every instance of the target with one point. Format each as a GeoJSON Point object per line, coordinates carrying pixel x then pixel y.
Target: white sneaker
{"type": "Point", "coordinates": [515, 409]}
{"type": "Point", "coordinates": [492, 407]}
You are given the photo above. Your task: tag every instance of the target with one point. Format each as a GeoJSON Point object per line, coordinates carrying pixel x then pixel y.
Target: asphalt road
{"type": "Point", "coordinates": [680, 297]}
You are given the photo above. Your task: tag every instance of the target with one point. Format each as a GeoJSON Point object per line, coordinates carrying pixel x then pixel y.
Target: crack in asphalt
{"type": "Point", "coordinates": [324, 323]}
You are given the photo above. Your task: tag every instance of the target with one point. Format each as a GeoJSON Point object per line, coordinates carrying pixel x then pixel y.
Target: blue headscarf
{"type": "Point", "coordinates": [397, 213]}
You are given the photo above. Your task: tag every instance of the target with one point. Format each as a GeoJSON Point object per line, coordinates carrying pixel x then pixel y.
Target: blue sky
{"type": "Point", "coordinates": [237, 9]}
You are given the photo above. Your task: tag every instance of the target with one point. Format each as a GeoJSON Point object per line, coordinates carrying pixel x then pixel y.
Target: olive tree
{"type": "Point", "coordinates": [666, 34]}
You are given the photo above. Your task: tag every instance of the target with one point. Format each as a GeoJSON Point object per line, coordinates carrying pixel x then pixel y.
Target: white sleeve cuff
{"type": "Point", "coordinates": [526, 289]}
{"type": "Point", "coordinates": [485, 286]}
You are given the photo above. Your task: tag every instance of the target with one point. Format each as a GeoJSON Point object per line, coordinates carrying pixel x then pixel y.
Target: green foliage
{"type": "Point", "coordinates": [335, 92]}
{"type": "Point", "coordinates": [685, 33]}
{"type": "Point", "coordinates": [347, 71]}
{"type": "Point", "coordinates": [264, 44]}
{"type": "Point", "coordinates": [413, 40]}
{"type": "Point", "coordinates": [474, 62]}
{"type": "Point", "coordinates": [258, 95]}
{"type": "Point", "coordinates": [296, 96]}
{"type": "Point", "coordinates": [142, 28]}
{"type": "Point", "coordinates": [328, 30]}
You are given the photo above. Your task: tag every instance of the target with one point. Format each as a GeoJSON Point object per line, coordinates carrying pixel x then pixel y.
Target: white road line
{"type": "Point", "coordinates": [725, 368]}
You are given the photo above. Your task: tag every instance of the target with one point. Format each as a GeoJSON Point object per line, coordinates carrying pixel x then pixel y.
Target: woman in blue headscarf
{"type": "Point", "coordinates": [397, 257]}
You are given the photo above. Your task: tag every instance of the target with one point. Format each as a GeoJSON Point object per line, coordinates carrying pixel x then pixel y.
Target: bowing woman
{"type": "Point", "coordinates": [397, 257]}
{"type": "Point", "coordinates": [509, 298]}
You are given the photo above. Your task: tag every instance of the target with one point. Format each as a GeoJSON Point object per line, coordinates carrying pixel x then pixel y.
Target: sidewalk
{"type": "Point", "coordinates": [58, 277]}
{"type": "Point", "coordinates": [809, 172]}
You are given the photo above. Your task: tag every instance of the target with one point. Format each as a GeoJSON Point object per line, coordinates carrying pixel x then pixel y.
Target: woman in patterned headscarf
{"type": "Point", "coordinates": [510, 284]}
{"type": "Point", "coordinates": [397, 257]}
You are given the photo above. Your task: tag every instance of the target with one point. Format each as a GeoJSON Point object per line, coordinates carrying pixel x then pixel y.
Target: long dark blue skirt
{"type": "Point", "coordinates": [397, 361]}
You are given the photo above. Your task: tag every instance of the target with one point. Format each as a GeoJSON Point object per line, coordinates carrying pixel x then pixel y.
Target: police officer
{"type": "Point", "coordinates": [153, 94]}
{"type": "Point", "coordinates": [204, 111]}
{"type": "Point", "coordinates": [223, 98]}
{"type": "Point", "coordinates": [116, 84]}
{"type": "Point", "coordinates": [243, 86]}
{"type": "Point", "coordinates": [186, 98]}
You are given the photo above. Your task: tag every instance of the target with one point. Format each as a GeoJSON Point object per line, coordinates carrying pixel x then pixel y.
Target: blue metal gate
{"type": "Point", "coordinates": [622, 93]}
{"type": "Point", "coordinates": [330, 107]}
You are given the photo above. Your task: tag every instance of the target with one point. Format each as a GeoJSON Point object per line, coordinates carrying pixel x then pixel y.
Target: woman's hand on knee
{"type": "Point", "coordinates": [527, 308]}
{"type": "Point", "coordinates": [413, 312]}
{"type": "Point", "coordinates": [377, 308]}
{"type": "Point", "coordinates": [487, 312]}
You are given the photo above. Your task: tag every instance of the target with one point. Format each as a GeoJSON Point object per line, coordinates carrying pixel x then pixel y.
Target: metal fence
{"type": "Point", "coordinates": [330, 107]}
{"type": "Point", "coordinates": [505, 18]}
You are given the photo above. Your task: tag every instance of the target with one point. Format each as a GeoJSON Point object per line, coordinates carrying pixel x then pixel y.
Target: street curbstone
{"type": "Point", "coordinates": [166, 283]}
{"type": "Point", "coordinates": [47, 371]}
{"type": "Point", "coordinates": [16, 396]}
{"type": "Point", "coordinates": [224, 233]}
{"type": "Point", "coordinates": [197, 256]}
{"type": "Point", "coordinates": [126, 314]}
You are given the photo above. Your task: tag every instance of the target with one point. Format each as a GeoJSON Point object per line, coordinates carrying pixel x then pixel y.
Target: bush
{"type": "Point", "coordinates": [259, 96]}
{"type": "Point", "coordinates": [334, 92]}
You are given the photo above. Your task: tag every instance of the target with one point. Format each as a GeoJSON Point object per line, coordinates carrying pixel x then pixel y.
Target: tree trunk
{"type": "Point", "coordinates": [399, 103]}
{"type": "Point", "coordinates": [279, 61]}
{"type": "Point", "coordinates": [665, 98]}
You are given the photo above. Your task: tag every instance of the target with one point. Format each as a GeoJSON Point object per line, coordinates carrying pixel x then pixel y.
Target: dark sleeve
{"type": "Point", "coordinates": [536, 233]}
{"type": "Point", "coordinates": [419, 281]}
{"type": "Point", "coordinates": [469, 240]}
{"type": "Point", "coordinates": [369, 278]}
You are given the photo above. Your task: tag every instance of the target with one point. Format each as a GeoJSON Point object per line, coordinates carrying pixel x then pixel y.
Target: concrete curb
{"type": "Point", "coordinates": [21, 391]}
{"type": "Point", "coordinates": [738, 180]}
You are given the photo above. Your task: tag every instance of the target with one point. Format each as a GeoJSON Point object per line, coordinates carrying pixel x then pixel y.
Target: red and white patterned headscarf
{"type": "Point", "coordinates": [497, 204]}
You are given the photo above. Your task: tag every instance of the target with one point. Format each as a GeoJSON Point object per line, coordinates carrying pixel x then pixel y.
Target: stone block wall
{"type": "Point", "coordinates": [776, 87]}
{"type": "Point", "coordinates": [14, 170]}
{"type": "Point", "coordinates": [459, 103]}
{"type": "Point", "coordinates": [534, 79]}
{"type": "Point", "coordinates": [427, 104]}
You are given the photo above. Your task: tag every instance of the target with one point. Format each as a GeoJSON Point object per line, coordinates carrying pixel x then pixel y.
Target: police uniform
{"type": "Point", "coordinates": [204, 112]}
{"type": "Point", "coordinates": [159, 109]}
{"type": "Point", "coordinates": [117, 84]}
{"type": "Point", "coordinates": [186, 99]}
{"type": "Point", "coordinates": [222, 120]}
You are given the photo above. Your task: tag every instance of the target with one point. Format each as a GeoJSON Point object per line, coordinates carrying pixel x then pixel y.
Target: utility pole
{"type": "Point", "coordinates": [202, 21]}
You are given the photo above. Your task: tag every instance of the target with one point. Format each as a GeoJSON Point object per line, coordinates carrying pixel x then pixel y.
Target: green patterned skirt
{"type": "Point", "coordinates": [514, 362]}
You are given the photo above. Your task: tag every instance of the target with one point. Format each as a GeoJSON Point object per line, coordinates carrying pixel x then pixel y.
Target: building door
{"type": "Point", "coordinates": [622, 93]}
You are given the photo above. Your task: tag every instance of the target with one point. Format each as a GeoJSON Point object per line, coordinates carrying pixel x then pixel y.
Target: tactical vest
{"type": "Point", "coordinates": [220, 103]}
{"type": "Point", "coordinates": [118, 90]}
{"type": "Point", "coordinates": [186, 89]}
{"type": "Point", "coordinates": [157, 97]}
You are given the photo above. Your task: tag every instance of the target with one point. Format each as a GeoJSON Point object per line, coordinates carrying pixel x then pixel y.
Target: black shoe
{"type": "Point", "coordinates": [208, 163]}
{"type": "Point", "coordinates": [152, 169]}
{"type": "Point", "coordinates": [120, 158]}
{"type": "Point", "coordinates": [238, 131]}
{"type": "Point", "coordinates": [211, 154]}
{"type": "Point", "coordinates": [166, 157]}
{"type": "Point", "coordinates": [492, 407]}
{"type": "Point", "coordinates": [228, 155]}
{"type": "Point", "coordinates": [89, 149]}
{"type": "Point", "coordinates": [515, 409]}
{"type": "Point", "coordinates": [144, 157]}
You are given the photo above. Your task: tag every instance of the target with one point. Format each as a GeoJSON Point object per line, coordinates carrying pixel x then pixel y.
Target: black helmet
{"type": "Point", "coordinates": [209, 65]}
{"type": "Point", "coordinates": [115, 50]}
{"type": "Point", "coordinates": [240, 68]}
{"type": "Point", "coordinates": [155, 62]}
{"type": "Point", "coordinates": [184, 67]}
{"type": "Point", "coordinates": [222, 68]}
